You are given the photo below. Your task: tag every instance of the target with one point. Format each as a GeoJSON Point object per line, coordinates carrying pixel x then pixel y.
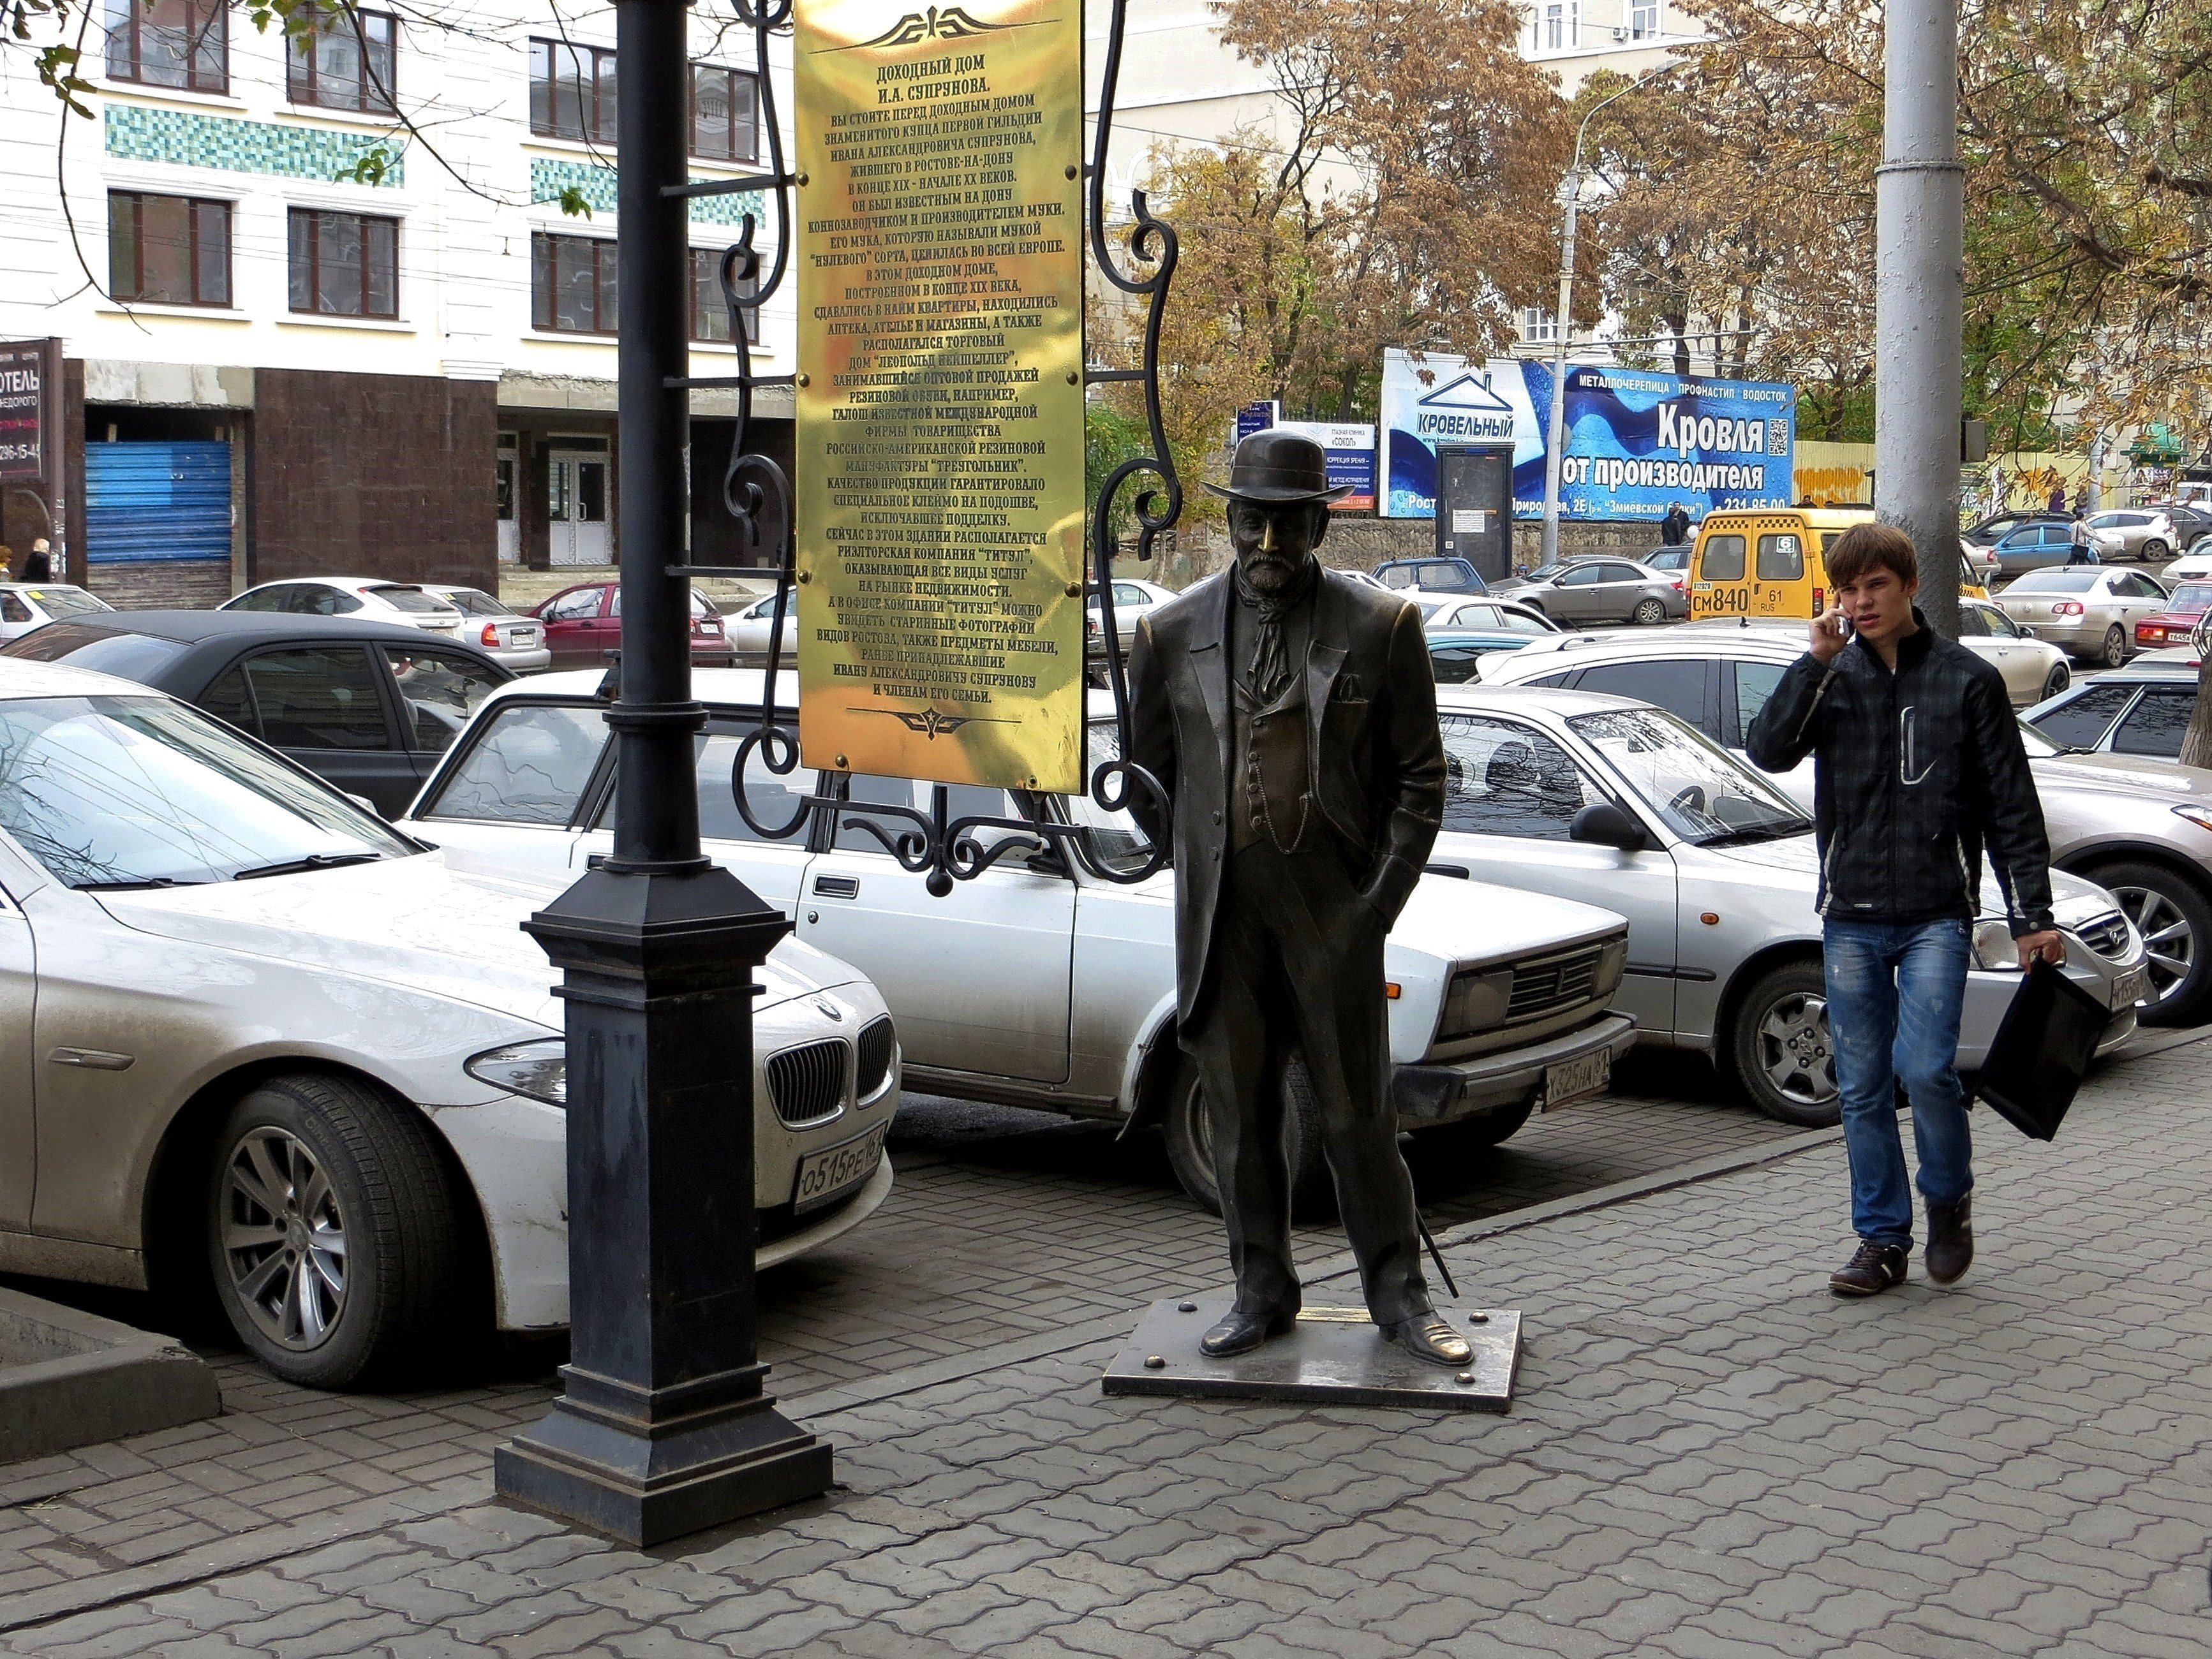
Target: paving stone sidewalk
{"type": "Point", "coordinates": [1711, 1456]}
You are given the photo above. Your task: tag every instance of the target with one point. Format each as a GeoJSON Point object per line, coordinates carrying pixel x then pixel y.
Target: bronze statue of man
{"type": "Point", "coordinates": [1291, 715]}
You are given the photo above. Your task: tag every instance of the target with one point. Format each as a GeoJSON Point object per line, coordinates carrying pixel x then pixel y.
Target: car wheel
{"type": "Point", "coordinates": [2175, 919]}
{"type": "Point", "coordinates": [2115, 652]}
{"type": "Point", "coordinates": [1777, 1052]}
{"type": "Point", "coordinates": [2059, 679]}
{"type": "Point", "coordinates": [1650, 613]}
{"type": "Point", "coordinates": [1190, 1144]}
{"type": "Point", "coordinates": [2152, 549]}
{"type": "Point", "coordinates": [333, 1232]}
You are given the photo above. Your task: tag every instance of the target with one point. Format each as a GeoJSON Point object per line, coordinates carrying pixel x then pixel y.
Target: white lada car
{"type": "Point", "coordinates": [1037, 984]}
{"type": "Point", "coordinates": [248, 1031]}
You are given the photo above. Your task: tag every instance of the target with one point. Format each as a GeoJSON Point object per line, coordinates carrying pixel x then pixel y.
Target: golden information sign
{"type": "Point", "coordinates": [939, 440]}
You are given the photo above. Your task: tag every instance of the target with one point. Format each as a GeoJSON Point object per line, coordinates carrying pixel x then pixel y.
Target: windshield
{"type": "Point", "coordinates": [1546, 572]}
{"type": "Point", "coordinates": [2055, 581]}
{"type": "Point", "coordinates": [474, 601]}
{"type": "Point", "coordinates": [66, 601]}
{"type": "Point", "coordinates": [2039, 747]}
{"type": "Point", "coordinates": [1116, 842]}
{"type": "Point", "coordinates": [2193, 595]}
{"type": "Point", "coordinates": [1703, 793]}
{"type": "Point", "coordinates": [139, 791]}
{"type": "Point", "coordinates": [413, 601]}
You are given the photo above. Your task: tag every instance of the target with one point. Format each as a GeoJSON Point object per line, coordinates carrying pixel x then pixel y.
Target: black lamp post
{"type": "Point", "coordinates": [664, 1427]}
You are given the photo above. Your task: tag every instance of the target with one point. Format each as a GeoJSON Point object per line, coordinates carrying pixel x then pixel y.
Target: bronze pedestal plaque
{"type": "Point", "coordinates": [1332, 1356]}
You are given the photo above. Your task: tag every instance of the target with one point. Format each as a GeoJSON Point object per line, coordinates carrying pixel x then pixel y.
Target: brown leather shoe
{"type": "Point", "coordinates": [1875, 1268]}
{"type": "Point", "coordinates": [1950, 1240]}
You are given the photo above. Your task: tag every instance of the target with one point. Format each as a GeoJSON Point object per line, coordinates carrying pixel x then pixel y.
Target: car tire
{"type": "Point", "coordinates": [1650, 613]}
{"type": "Point", "coordinates": [1776, 1052]}
{"type": "Point", "coordinates": [2114, 653]}
{"type": "Point", "coordinates": [2152, 549]}
{"type": "Point", "coordinates": [2174, 916]}
{"type": "Point", "coordinates": [2060, 677]}
{"type": "Point", "coordinates": [305, 1155]}
{"type": "Point", "coordinates": [1190, 1144]}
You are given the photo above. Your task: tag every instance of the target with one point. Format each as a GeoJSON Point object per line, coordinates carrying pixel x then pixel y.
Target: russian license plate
{"type": "Point", "coordinates": [1573, 1080]}
{"type": "Point", "coordinates": [2130, 987]}
{"type": "Point", "coordinates": [827, 1175]}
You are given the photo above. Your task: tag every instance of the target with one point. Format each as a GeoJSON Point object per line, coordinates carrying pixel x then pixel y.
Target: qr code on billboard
{"type": "Point", "coordinates": [1777, 436]}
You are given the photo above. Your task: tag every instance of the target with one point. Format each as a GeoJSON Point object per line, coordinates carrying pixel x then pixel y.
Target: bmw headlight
{"type": "Point", "coordinates": [536, 1070]}
{"type": "Point", "coordinates": [1994, 950]}
{"type": "Point", "coordinates": [2200, 816]}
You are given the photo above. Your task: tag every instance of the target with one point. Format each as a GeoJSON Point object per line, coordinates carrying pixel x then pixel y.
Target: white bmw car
{"type": "Point", "coordinates": [250, 1032]}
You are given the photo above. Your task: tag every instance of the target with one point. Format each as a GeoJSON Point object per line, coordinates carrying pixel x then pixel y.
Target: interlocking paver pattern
{"type": "Point", "coordinates": [1710, 1456]}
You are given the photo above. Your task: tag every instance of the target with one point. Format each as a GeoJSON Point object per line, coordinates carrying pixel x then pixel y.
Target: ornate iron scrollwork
{"type": "Point", "coordinates": [758, 494]}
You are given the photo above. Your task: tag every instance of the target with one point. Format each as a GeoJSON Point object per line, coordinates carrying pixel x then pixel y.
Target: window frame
{"type": "Point", "coordinates": [303, 79]}
{"type": "Point", "coordinates": [314, 218]}
{"type": "Point", "coordinates": [133, 23]}
{"type": "Point", "coordinates": [751, 151]}
{"type": "Point", "coordinates": [596, 786]}
{"type": "Point", "coordinates": [545, 309]}
{"type": "Point", "coordinates": [599, 127]}
{"type": "Point", "coordinates": [194, 248]}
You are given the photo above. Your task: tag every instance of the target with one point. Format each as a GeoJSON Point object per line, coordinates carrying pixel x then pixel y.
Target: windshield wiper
{"type": "Point", "coordinates": [136, 883]}
{"type": "Point", "coordinates": [312, 861]}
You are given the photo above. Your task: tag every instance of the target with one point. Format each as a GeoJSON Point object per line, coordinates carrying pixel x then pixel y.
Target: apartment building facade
{"type": "Point", "coordinates": [328, 284]}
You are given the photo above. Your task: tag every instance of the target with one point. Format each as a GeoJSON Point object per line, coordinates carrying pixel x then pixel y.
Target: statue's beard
{"type": "Point", "coordinates": [1271, 572]}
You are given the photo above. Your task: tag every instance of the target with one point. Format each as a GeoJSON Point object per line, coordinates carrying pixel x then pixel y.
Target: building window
{"type": "Point", "coordinates": [1643, 19]}
{"type": "Point", "coordinates": [174, 250]}
{"type": "Point", "coordinates": [1539, 326]}
{"type": "Point", "coordinates": [725, 114]}
{"type": "Point", "coordinates": [344, 264]}
{"type": "Point", "coordinates": [572, 91]}
{"type": "Point", "coordinates": [1562, 25]}
{"type": "Point", "coordinates": [573, 284]}
{"type": "Point", "coordinates": [710, 314]}
{"type": "Point", "coordinates": [346, 64]}
{"type": "Point", "coordinates": [170, 43]}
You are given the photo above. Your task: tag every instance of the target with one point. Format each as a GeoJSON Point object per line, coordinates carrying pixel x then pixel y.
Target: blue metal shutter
{"type": "Point", "coordinates": [144, 502]}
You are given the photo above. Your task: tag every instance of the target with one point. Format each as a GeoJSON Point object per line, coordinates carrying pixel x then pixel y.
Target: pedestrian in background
{"type": "Point", "coordinates": [2058, 497]}
{"type": "Point", "coordinates": [1674, 528]}
{"type": "Point", "coordinates": [2082, 550]}
{"type": "Point", "coordinates": [2082, 497]}
{"type": "Point", "coordinates": [40, 567]}
{"type": "Point", "coordinates": [1917, 766]}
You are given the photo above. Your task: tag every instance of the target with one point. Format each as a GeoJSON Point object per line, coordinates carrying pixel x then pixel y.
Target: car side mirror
{"type": "Point", "coordinates": [1603, 824]}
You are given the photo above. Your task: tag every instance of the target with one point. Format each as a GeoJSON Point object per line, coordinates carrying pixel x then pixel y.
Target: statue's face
{"type": "Point", "coordinates": [1273, 543]}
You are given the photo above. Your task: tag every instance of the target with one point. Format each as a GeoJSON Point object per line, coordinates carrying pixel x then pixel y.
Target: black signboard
{"type": "Point", "coordinates": [30, 396]}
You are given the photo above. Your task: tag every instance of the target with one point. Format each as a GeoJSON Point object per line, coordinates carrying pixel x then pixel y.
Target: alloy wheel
{"type": "Point", "coordinates": [2116, 647]}
{"type": "Point", "coordinates": [1796, 1050]}
{"type": "Point", "coordinates": [1650, 613]}
{"type": "Point", "coordinates": [284, 1238]}
{"type": "Point", "coordinates": [2168, 939]}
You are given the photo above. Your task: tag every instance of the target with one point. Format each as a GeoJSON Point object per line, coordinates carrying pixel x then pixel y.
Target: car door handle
{"type": "Point", "coordinates": [837, 887]}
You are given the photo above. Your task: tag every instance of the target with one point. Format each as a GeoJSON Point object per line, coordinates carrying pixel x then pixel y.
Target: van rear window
{"type": "Point", "coordinates": [1722, 559]}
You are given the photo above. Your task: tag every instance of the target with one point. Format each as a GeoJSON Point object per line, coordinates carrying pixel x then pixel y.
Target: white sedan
{"type": "Point", "coordinates": [1133, 600]}
{"type": "Point", "coordinates": [515, 642]}
{"type": "Point", "coordinates": [276, 1046]}
{"type": "Point", "coordinates": [404, 604]}
{"type": "Point", "coordinates": [1040, 982]}
{"type": "Point", "coordinates": [2034, 669]}
{"type": "Point", "coordinates": [27, 605]}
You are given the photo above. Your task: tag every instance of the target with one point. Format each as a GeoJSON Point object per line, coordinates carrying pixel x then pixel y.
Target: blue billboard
{"type": "Point", "coordinates": [1636, 441]}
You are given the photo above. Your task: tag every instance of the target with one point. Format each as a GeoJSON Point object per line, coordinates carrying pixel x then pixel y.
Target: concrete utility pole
{"type": "Point", "coordinates": [1920, 258]}
{"type": "Point", "coordinates": [1570, 193]}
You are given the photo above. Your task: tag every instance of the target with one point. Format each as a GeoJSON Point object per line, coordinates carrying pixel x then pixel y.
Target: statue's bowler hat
{"type": "Point", "coordinates": [1277, 468]}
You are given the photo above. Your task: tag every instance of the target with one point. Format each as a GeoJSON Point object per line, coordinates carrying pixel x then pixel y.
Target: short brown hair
{"type": "Point", "coordinates": [1864, 549]}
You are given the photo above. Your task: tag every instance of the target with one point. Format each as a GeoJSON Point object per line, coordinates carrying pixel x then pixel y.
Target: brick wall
{"type": "Point", "coordinates": [185, 584]}
{"type": "Point", "coordinates": [374, 475]}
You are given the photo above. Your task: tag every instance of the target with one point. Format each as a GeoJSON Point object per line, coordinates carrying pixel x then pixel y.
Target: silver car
{"type": "Point", "coordinates": [1133, 600]}
{"type": "Point", "coordinates": [2144, 533]}
{"type": "Point", "coordinates": [748, 629]}
{"type": "Point", "coordinates": [2137, 826]}
{"type": "Point", "coordinates": [1455, 612]}
{"type": "Point", "coordinates": [515, 642]}
{"type": "Point", "coordinates": [1617, 803]}
{"type": "Point", "coordinates": [1600, 591]}
{"type": "Point", "coordinates": [2088, 610]}
{"type": "Point", "coordinates": [2033, 669]}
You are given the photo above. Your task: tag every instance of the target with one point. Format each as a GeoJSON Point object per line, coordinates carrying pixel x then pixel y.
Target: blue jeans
{"type": "Point", "coordinates": [1894, 995]}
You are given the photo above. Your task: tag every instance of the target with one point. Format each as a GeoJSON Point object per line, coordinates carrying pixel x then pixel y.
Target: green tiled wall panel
{"type": "Point", "coordinates": [137, 133]}
{"type": "Point", "coordinates": [550, 177]}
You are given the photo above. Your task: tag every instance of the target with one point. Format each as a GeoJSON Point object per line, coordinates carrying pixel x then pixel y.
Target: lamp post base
{"type": "Point", "coordinates": [597, 1460]}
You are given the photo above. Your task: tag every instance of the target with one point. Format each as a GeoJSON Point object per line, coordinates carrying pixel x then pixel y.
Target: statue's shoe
{"type": "Point", "coordinates": [1427, 1336]}
{"type": "Point", "coordinates": [1240, 1333]}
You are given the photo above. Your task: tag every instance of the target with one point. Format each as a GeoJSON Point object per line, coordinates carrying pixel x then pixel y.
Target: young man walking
{"type": "Point", "coordinates": [1918, 768]}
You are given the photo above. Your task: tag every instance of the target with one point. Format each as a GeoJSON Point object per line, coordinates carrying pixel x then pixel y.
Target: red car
{"type": "Point", "coordinates": [2177, 623]}
{"type": "Point", "coordinates": [584, 623]}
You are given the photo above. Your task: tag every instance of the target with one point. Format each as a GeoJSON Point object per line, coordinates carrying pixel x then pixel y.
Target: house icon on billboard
{"type": "Point", "coordinates": [1464, 408]}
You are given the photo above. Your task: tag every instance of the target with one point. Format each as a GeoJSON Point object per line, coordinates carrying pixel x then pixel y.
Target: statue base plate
{"type": "Point", "coordinates": [1334, 1355]}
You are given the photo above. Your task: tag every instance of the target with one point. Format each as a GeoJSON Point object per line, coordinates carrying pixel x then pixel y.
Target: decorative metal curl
{"type": "Point", "coordinates": [758, 494]}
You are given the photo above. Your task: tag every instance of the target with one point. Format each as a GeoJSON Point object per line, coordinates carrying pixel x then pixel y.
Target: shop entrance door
{"type": "Point", "coordinates": [576, 507]}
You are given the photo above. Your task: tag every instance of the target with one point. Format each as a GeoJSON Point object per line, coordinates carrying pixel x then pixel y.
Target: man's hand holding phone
{"type": "Point", "coordinates": [1830, 633]}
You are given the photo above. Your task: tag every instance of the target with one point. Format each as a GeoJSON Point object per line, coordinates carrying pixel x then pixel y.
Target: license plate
{"type": "Point", "coordinates": [828, 1175]}
{"type": "Point", "coordinates": [2130, 987]}
{"type": "Point", "coordinates": [1572, 1079]}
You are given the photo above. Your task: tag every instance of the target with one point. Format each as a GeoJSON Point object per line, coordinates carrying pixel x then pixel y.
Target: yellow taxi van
{"type": "Point", "coordinates": [1766, 561]}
